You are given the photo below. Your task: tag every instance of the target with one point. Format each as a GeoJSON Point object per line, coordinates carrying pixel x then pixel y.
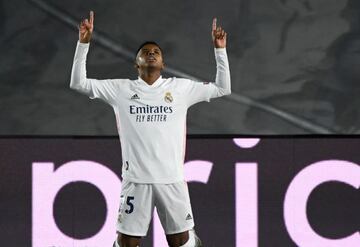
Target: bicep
{"type": "Point", "coordinates": [200, 91]}
{"type": "Point", "coordinates": [100, 89]}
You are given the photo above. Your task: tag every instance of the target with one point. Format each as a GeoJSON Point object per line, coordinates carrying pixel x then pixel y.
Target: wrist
{"type": "Point", "coordinates": [219, 46]}
{"type": "Point", "coordinates": [84, 41]}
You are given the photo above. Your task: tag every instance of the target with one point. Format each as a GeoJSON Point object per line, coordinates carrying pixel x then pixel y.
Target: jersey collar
{"type": "Point", "coordinates": [156, 84]}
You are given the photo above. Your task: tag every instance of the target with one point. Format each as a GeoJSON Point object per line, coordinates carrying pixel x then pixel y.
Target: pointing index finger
{"type": "Point", "coordinates": [91, 17]}
{"type": "Point", "coordinates": [214, 24]}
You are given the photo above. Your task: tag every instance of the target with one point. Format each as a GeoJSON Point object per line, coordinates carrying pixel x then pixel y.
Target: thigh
{"type": "Point", "coordinates": [136, 207]}
{"type": "Point", "coordinates": [173, 205]}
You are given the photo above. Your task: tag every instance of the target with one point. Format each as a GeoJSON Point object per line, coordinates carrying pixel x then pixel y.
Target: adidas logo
{"type": "Point", "coordinates": [135, 96]}
{"type": "Point", "coordinates": [188, 217]}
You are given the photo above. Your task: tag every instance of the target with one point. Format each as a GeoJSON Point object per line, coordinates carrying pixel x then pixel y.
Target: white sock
{"type": "Point", "coordinates": [189, 243]}
{"type": "Point", "coordinates": [116, 244]}
{"type": "Point", "coordinates": [193, 240]}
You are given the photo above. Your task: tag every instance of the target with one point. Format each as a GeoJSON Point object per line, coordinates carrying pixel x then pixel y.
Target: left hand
{"type": "Point", "coordinates": [218, 35]}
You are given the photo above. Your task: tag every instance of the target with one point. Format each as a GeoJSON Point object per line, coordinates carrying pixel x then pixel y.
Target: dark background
{"type": "Point", "coordinates": [332, 207]}
{"type": "Point", "coordinates": [294, 63]}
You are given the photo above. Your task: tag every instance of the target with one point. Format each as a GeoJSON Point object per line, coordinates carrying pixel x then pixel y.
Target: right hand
{"type": "Point", "coordinates": [218, 35]}
{"type": "Point", "coordinates": [86, 28]}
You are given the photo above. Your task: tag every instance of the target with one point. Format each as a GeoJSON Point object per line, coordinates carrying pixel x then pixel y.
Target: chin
{"type": "Point", "coordinates": [153, 66]}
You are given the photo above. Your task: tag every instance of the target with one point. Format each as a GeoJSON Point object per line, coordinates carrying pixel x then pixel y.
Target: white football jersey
{"type": "Point", "coordinates": [151, 119]}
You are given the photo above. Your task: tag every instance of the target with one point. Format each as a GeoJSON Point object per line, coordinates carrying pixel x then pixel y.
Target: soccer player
{"type": "Point", "coordinates": [151, 120]}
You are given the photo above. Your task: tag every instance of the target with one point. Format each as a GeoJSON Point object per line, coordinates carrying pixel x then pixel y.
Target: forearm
{"type": "Point", "coordinates": [78, 73]}
{"type": "Point", "coordinates": [222, 80]}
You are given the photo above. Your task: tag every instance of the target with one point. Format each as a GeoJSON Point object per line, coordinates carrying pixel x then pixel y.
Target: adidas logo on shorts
{"type": "Point", "coordinates": [188, 217]}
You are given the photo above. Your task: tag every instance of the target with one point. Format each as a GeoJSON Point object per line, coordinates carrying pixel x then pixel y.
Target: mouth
{"type": "Point", "coordinates": [151, 59]}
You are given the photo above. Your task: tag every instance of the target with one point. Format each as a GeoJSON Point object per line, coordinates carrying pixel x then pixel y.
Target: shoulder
{"type": "Point", "coordinates": [180, 80]}
{"type": "Point", "coordinates": [119, 82]}
{"type": "Point", "coordinates": [184, 84]}
{"type": "Point", "coordinates": [180, 83]}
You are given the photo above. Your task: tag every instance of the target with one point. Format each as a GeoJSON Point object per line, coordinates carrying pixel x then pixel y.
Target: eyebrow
{"type": "Point", "coordinates": [146, 49]}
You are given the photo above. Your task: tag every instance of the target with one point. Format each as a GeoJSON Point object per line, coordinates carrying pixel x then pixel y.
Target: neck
{"type": "Point", "coordinates": [149, 76]}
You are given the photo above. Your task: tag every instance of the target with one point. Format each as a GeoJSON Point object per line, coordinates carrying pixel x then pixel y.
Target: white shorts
{"type": "Point", "coordinates": [137, 202]}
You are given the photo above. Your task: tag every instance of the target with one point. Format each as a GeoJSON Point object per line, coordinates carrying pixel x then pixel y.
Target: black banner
{"type": "Point", "coordinates": [64, 192]}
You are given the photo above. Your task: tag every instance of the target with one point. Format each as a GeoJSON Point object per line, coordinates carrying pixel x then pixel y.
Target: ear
{"type": "Point", "coordinates": [136, 66]}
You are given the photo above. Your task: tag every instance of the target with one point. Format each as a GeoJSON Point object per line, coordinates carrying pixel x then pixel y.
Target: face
{"type": "Point", "coordinates": [149, 56]}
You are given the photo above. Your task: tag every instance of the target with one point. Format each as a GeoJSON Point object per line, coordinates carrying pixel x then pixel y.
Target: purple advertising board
{"type": "Point", "coordinates": [64, 191]}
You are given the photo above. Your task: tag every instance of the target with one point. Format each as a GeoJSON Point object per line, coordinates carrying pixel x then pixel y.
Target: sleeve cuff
{"type": "Point", "coordinates": [220, 50]}
{"type": "Point", "coordinates": [82, 44]}
{"type": "Point", "coordinates": [81, 49]}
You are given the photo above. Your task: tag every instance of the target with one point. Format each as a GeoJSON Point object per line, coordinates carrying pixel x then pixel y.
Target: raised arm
{"type": "Point", "coordinates": [222, 80]}
{"type": "Point", "coordinates": [198, 92]}
{"type": "Point", "coordinates": [103, 89]}
{"type": "Point", "coordinates": [78, 72]}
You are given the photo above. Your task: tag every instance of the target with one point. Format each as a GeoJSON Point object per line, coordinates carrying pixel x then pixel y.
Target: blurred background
{"type": "Point", "coordinates": [294, 63]}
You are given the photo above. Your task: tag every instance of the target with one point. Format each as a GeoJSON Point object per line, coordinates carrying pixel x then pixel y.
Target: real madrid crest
{"type": "Point", "coordinates": [168, 97]}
